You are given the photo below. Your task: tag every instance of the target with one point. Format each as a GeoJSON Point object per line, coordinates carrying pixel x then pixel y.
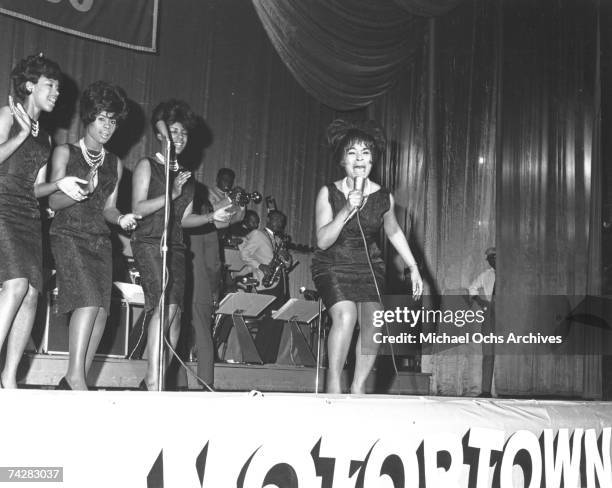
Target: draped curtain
{"type": "Point", "coordinates": [442, 122]}
{"type": "Point", "coordinates": [344, 53]}
{"type": "Point", "coordinates": [492, 139]}
{"type": "Point", "coordinates": [455, 97]}
{"type": "Point", "coordinates": [549, 217]}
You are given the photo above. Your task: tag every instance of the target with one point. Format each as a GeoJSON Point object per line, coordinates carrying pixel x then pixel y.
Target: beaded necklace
{"type": "Point", "coordinates": [34, 128]}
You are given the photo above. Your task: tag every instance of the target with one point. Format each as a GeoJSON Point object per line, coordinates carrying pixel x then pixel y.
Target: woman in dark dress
{"type": "Point", "coordinates": [80, 235]}
{"type": "Point", "coordinates": [148, 187]}
{"type": "Point", "coordinates": [340, 267]}
{"type": "Point", "coordinates": [24, 152]}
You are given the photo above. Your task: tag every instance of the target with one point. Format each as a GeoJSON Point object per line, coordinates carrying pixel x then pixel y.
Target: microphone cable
{"type": "Point", "coordinates": [369, 259]}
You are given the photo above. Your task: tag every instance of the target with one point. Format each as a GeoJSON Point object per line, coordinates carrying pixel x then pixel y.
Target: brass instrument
{"type": "Point", "coordinates": [281, 260]}
{"type": "Point", "coordinates": [238, 197]}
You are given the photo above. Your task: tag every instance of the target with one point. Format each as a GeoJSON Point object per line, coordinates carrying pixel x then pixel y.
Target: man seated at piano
{"type": "Point", "coordinates": [266, 256]}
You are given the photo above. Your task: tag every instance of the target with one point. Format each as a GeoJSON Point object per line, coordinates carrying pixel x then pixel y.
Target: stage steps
{"type": "Point", "coordinates": [109, 372]}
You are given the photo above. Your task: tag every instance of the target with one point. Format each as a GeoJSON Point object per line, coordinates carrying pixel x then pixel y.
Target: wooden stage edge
{"type": "Point", "coordinates": [109, 372]}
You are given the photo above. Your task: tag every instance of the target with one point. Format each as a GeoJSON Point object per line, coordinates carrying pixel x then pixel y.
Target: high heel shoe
{"type": "Point", "coordinates": [143, 386]}
{"type": "Point", "coordinates": [63, 384]}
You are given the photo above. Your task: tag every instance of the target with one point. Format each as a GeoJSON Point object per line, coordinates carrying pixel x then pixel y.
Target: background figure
{"type": "Point", "coordinates": [340, 266]}
{"type": "Point", "coordinates": [218, 197]}
{"type": "Point", "coordinates": [24, 152]}
{"type": "Point", "coordinates": [249, 223]}
{"type": "Point", "coordinates": [80, 236]}
{"type": "Point", "coordinates": [260, 248]}
{"type": "Point", "coordinates": [204, 275]}
{"type": "Point", "coordinates": [482, 291]}
{"type": "Point", "coordinates": [171, 120]}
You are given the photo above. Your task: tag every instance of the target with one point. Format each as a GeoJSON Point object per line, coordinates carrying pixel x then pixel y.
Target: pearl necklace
{"type": "Point", "coordinates": [34, 128]}
{"type": "Point", "coordinates": [91, 158]}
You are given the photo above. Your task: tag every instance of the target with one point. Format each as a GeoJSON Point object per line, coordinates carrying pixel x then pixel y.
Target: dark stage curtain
{"type": "Point", "coordinates": [344, 53]}
{"type": "Point", "coordinates": [549, 218]}
{"type": "Point", "coordinates": [442, 121]}
{"type": "Point", "coordinates": [427, 7]}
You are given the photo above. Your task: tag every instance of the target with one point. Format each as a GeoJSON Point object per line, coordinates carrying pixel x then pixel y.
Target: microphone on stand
{"type": "Point", "coordinates": [358, 184]}
{"type": "Point", "coordinates": [162, 130]}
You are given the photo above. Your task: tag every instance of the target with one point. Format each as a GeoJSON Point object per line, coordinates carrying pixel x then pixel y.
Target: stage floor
{"type": "Point", "coordinates": [108, 372]}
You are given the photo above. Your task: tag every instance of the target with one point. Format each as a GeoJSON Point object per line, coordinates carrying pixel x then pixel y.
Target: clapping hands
{"type": "Point", "coordinates": [71, 186]}
{"type": "Point", "coordinates": [22, 117]}
{"type": "Point", "coordinates": [129, 222]}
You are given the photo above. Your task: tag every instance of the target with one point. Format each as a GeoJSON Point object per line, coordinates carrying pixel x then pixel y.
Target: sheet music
{"type": "Point", "coordinates": [133, 294]}
{"type": "Point", "coordinates": [297, 310]}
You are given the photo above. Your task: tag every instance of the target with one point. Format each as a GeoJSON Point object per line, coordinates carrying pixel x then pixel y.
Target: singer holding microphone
{"type": "Point", "coordinates": [172, 120]}
{"type": "Point", "coordinates": [350, 289]}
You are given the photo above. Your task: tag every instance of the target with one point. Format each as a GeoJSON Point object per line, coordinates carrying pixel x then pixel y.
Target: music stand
{"type": "Point", "coordinates": [293, 347]}
{"type": "Point", "coordinates": [240, 305]}
{"type": "Point", "coordinates": [233, 261]}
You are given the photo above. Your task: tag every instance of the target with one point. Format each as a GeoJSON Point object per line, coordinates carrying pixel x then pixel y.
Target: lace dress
{"type": "Point", "coordinates": [20, 224]}
{"type": "Point", "coordinates": [80, 240]}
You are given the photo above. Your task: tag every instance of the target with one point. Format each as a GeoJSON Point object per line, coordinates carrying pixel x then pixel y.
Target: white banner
{"type": "Point", "coordinates": [204, 440]}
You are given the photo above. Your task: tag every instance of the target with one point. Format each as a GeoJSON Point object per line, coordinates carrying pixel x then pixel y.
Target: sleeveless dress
{"type": "Point", "coordinates": [146, 238]}
{"type": "Point", "coordinates": [341, 272]}
{"type": "Point", "coordinates": [80, 240]}
{"type": "Point", "coordinates": [20, 224]}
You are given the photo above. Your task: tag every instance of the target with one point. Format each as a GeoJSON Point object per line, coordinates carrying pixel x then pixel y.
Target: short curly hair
{"type": "Point", "coordinates": [31, 69]}
{"type": "Point", "coordinates": [172, 111]}
{"type": "Point", "coordinates": [102, 96]}
{"type": "Point", "coordinates": [341, 135]}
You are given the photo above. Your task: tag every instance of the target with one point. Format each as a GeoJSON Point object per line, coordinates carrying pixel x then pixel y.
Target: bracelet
{"type": "Point", "coordinates": [211, 217]}
{"type": "Point", "coordinates": [119, 219]}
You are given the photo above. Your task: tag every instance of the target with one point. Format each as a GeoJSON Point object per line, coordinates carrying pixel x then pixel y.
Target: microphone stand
{"type": "Point", "coordinates": [164, 255]}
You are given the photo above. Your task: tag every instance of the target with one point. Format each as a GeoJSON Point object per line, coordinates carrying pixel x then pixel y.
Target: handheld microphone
{"type": "Point", "coordinates": [358, 184]}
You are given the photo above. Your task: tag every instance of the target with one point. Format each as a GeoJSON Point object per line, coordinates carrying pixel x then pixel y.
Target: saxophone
{"type": "Point", "coordinates": [281, 259]}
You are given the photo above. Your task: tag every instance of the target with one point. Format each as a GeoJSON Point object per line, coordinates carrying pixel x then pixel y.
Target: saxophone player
{"type": "Point", "coordinates": [263, 250]}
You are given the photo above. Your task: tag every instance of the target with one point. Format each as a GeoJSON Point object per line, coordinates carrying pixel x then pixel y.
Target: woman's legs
{"type": "Point", "coordinates": [365, 352]}
{"type": "Point", "coordinates": [173, 328]}
{"type": "Point", "coordinates": [96, 337]}
{"type": "Point", "coordinates": [344, 316]}
{"type": "Point", "coordinates": [80, 334]}
{"type": "Point", "coordinates": [18, 302]}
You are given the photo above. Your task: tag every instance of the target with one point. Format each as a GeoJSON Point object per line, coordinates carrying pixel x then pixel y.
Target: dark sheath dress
{"type": "Point", "coordinates": [146, 248]}
{"type": "Point", "coordinates": [341, 272]}
{"type": "Point", "coordinates": [80, 240]}
{"type": "Point", "coordinates": [20, 225]}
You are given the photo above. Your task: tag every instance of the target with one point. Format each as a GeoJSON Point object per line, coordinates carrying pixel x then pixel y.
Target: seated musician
{"type": "Point", "coordinates": [266, 257]}
{"type": "Point", "coordinates": [244, 228]}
